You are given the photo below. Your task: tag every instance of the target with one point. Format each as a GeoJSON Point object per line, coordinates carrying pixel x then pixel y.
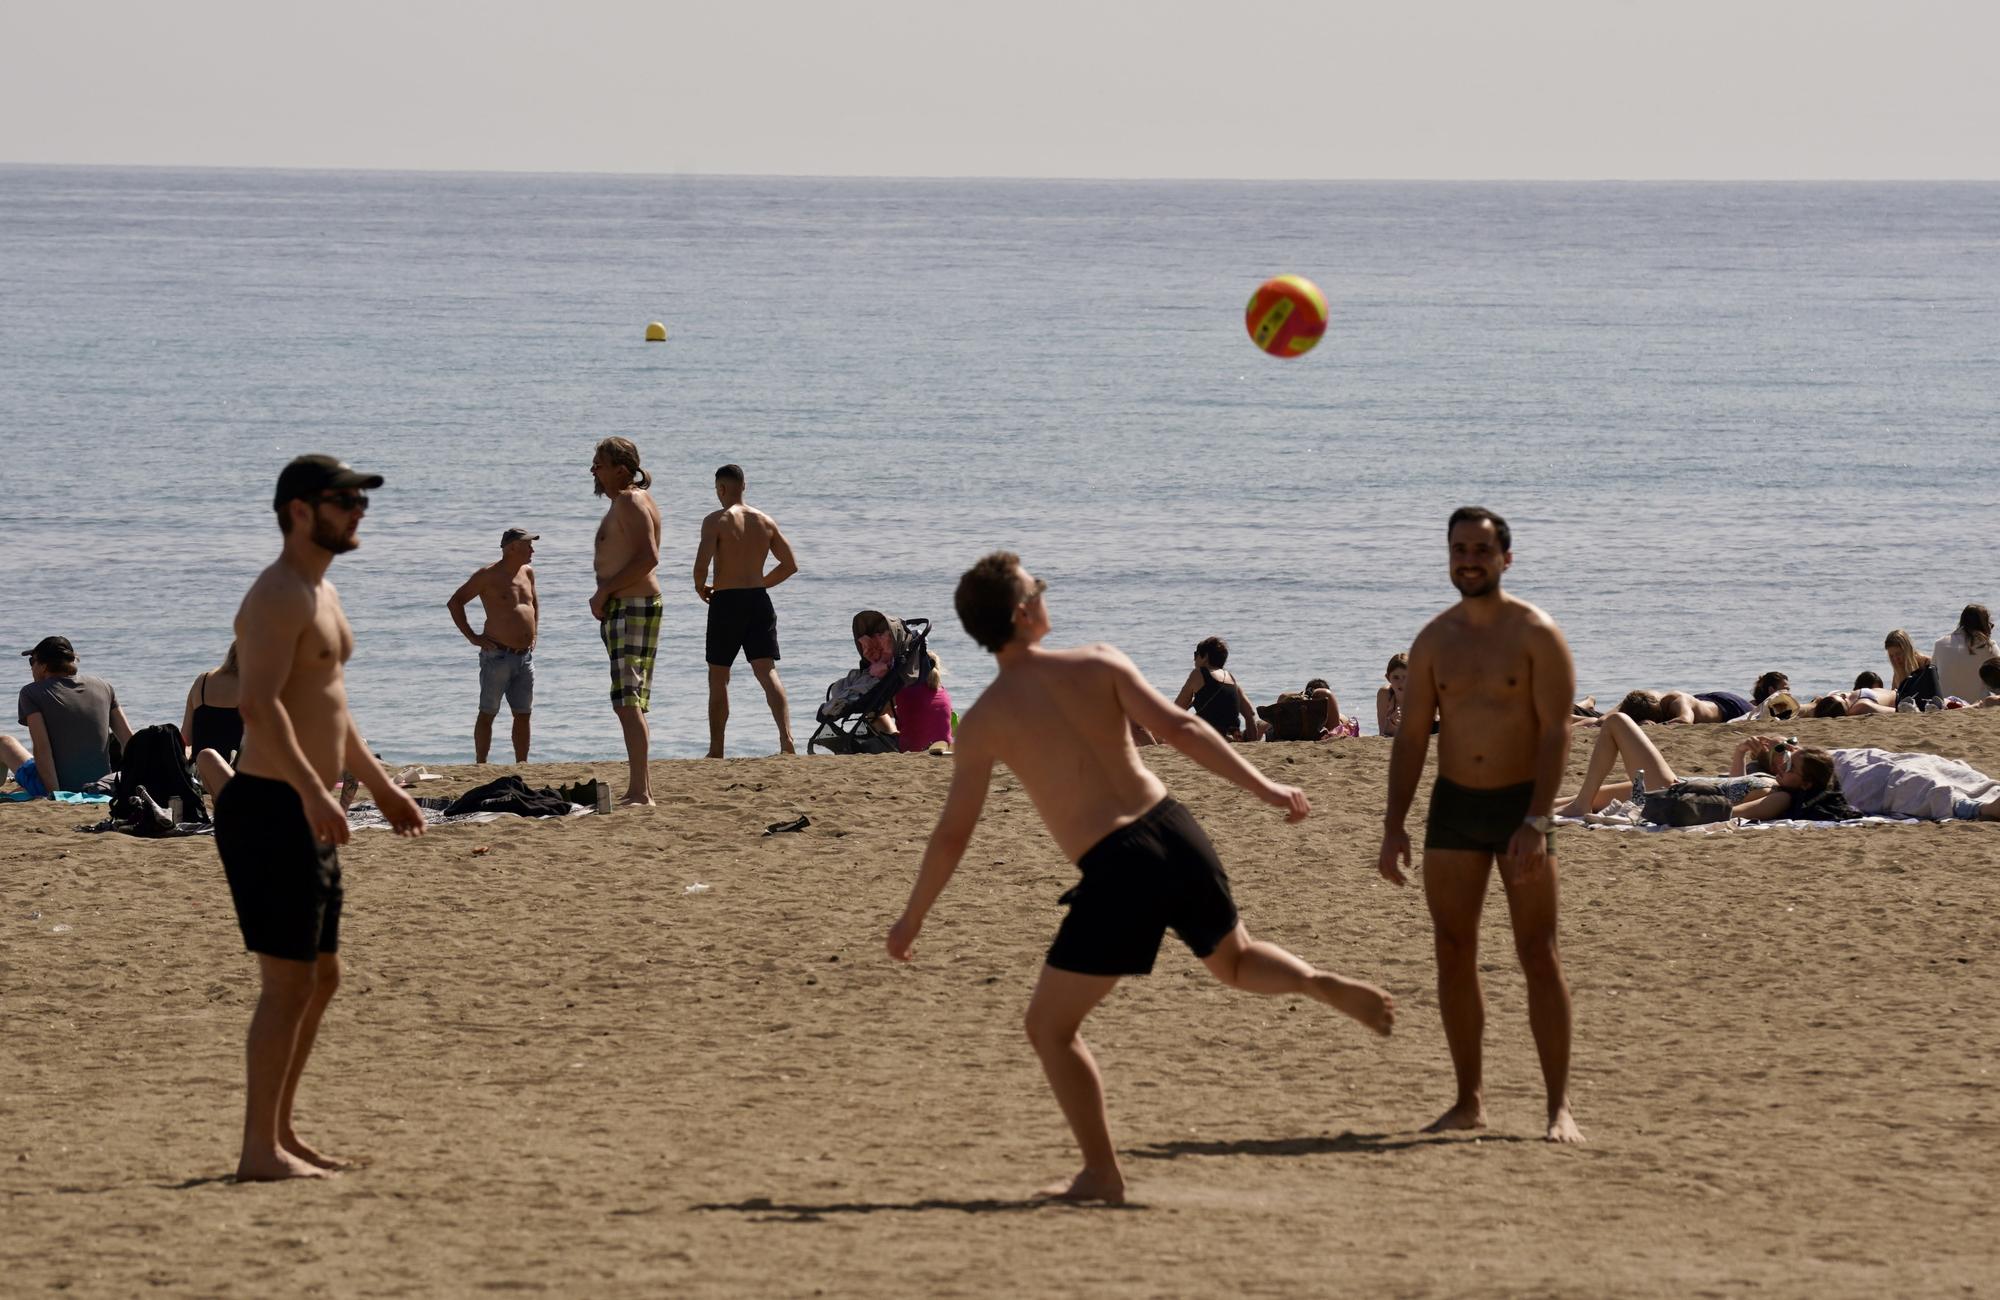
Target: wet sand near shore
{"type": "Point", "coordinates": [569, 1076]}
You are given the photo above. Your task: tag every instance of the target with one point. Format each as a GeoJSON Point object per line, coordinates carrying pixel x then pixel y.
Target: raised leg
{"type": "Point", "coordinates": [1455, 889]}
{"type": "Point", "coordinates": [1532, 907]}
{"type": "Point", "coordinates": [638, 780]}
{"type": "Point", "coordinates": [1055, 1014]}
{"type": "Point", "coordinates": [521, 721]}
{"type": "Point", "coordinates": [774, 695]}
{"type": "Point", "coordinates": [1258, 967]}
{"type": "Point", "coordinates": [482, 737]}
{"type": "Point", "coordinates": [13, 756]}
{"type": "Point", "coordinates": [1618, 738]}
{"type": "Point", "coordinates": [214, 771]}
{"type": "Point", "coordinates": [718, 707]}
{"type": "Point", "coordinates": [282, 1004]}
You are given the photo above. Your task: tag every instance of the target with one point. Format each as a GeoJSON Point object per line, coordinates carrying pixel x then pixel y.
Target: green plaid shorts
{"type": "Point", "coordinates": [631, 632]}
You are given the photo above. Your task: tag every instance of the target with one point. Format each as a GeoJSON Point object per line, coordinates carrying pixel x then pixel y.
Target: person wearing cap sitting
{"type": "Point", "coordinates": [506, 591]}
{"type": "Point", "coordinates": [70, 718]}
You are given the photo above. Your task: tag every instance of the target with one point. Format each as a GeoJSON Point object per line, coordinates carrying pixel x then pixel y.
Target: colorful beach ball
{"type": "Point", "coordinates": [1286, 316]}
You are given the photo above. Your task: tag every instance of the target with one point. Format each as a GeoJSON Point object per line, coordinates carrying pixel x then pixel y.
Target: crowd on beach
{"type": "Point", "coordinates": [1490, 679]}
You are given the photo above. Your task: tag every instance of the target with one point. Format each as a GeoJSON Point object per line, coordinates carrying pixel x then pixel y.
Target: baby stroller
{"type": "Point", "coordinates": [894, 654]}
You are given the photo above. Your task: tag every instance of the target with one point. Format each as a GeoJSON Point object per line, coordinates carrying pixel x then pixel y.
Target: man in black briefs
{"type": "Point", "coordinates": [1498, 675]}
{"type": "Point", "coordinates": [737, 539]}
{"type": "Point", "coordinates": [1062, 721]}
{"type": "Point", "coordinates": [277, 827]}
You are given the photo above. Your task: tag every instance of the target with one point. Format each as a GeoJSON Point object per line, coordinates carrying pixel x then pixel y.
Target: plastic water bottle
{"type": "Point", "coordinates": [1639, 784]}
{"type": "Point", "coordinates": [603, 796]}
{"type": "Point", "coordinates": [174, 810]}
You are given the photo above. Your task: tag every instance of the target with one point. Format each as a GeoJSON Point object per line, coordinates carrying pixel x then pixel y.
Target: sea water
{"type": "Point", "coordinates": [1735, 427]}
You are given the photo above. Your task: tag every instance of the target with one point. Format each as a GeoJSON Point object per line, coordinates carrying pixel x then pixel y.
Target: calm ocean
{"type": "Point", "coordinates": [1735, 427]}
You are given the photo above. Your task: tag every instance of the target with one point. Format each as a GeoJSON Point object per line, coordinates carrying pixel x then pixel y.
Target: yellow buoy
{"type": "Point", "coordinates": [656, 332]}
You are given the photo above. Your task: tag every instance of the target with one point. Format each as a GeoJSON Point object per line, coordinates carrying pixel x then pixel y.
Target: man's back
{"type": "Point", "coordinates": [1056, 719]}
{"type": "Point", "coordinates": [742, 543]}
{"type": "Point", "coordinates": [76, 711]}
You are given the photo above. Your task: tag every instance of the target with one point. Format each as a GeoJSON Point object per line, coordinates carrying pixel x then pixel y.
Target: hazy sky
{"type": "Point", "coordinates": [1115, 88]}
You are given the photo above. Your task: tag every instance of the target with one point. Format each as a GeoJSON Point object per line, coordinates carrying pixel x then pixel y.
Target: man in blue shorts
{"type": "Point", "coordinates": [506, 591]}
{"type": "Point", "coordinates": [1061, 720]}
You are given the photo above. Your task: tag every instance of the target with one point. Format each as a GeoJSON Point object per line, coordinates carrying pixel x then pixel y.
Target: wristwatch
{"type": "Point", "coordinates": [1542, 824]}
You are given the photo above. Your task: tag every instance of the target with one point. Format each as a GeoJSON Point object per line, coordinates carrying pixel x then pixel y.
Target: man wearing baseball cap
{"type": "Point", "coordinates": [506, 591]}
{"type": "Point", "coordinates": [70, 718]}
{"type": "Point", "coordinates": [277, 826]}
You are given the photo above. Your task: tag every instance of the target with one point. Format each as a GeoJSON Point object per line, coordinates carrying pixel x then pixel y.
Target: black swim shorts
{"type": "Point", "coordinates": [1156, 873]}
{"type": "Point", "coordinates": [285, 883]}
{"type": "Point", "coordinates": [741, 618]}
{"type": "Point", "coordinates": [1479, 821]}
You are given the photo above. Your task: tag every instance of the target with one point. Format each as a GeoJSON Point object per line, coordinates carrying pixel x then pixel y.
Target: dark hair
{"type": "Point", "coordinates": [986, 596]}
{"type": "Point", "coordinates": [624, 452]}
{"type": "Point", "coordinates": [1826, 706]}
{"type": "Point", "coordinates": [1977, 625]}
{"type": "Point", "coordinates": [1816, 770]}
{"type": "Point", "coordinates": [1397, 660]}
{"type": "Point", "coordinates": [1768, 685]}
{"type": "Point", "coordinates": [1214, 649]}
{"type": "Point", "coordinates": [1318, 684]}
{"type": "Point", "coordinates": [1641, 706]}
{"type": "Point", "coordinates": [734, 473]}
{"type": "Point", "coordinates": [1989, 672]}
{"type": "Point", "coordinates": [1867, 680]}
{"type": "Point", "coordinates": [1480, 514]}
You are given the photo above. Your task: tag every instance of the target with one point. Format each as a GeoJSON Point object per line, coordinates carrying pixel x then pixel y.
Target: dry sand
{"type": "Point", "coordinates": [571, 1077]}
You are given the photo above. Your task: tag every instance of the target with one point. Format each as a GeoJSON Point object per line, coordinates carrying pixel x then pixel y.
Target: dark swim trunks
{"type": "Point", "coordinates": [1733, 706]}
{"type": "Point", "coordinates": [1153, 874]}
{"type": "Point", "coordinates": [741, 619]}
{"type": "Point", "coordinates": [1477, 821]}
{"type": "Point", "coordinates": [285, 883]}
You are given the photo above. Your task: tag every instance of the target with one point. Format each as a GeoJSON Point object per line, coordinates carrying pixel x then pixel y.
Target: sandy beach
{"type": "Point", "coordinates": [570, 1076]}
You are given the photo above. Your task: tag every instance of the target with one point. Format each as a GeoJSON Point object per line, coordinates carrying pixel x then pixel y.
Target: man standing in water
{"type": "Point", "coordinates": [1061, 720]}
{"type": "Point", "coordinates": [1496, 673]}
{"type": "Point", "coordinates": [276, 826]}
{"type": "Point", "coordinates": [506, 590]}
{"type": "Point", "coordinates": [736, 540]}
{"type": "Point", "coordinates": [627, 601]}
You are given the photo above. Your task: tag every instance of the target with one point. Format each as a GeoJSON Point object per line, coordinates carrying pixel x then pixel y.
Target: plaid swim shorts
{"type": "Point", "coordinates": [631, 632]}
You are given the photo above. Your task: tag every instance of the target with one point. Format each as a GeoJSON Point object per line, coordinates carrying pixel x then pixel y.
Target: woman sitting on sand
{"type": "Point", "coordinates": [1389, 695]}
{"type": "Point", "coordinates": [1903, 657]}
{"type": "Point", "coordinates": [923, 712]}
{"type": "Point", "coordinates": [1768, 778]}
{"type": "Point", "coordinates": [210, 724]}
{"type": "Point", "coordinates": [1959, 657]}
{"type": "Point", "coordinates": [1215, 696]}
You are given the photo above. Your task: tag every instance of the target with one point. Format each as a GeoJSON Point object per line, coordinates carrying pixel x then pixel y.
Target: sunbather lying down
{"type": "Point", "coordinates": [1768, 778]}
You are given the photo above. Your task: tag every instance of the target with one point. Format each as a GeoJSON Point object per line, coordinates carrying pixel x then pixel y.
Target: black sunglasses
{"type": "Point", "coordinates": [346, 500]}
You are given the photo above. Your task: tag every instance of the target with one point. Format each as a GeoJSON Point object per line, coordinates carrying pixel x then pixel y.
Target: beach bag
{"type": "Point", "coordinates": [154, 762]}
{"type": "Point", "coordinates": [1686, 803]}
{"type": "Point", "coordinates": [1294, 717]}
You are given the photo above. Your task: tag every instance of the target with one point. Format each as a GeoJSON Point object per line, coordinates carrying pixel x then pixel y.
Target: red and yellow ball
{"type": "Point", "coordinates": [1286, 316]}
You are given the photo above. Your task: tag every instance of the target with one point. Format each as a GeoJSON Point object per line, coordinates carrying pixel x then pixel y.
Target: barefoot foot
{"type": "Point", "coordinates": [630, 800]}
{"type": "Point", "coordinates": [1090, 1185]}
{"type": "Point", "coordinates": [1366, 1003]}
{"type": "Point", "coordinates": [273, 1166]}
{"type": "Point", "coordinates": [294, 1145]}
{"type": "Point", "coordinates": [1562, 1128]}
{"type": "Point", "coordinates": [1465, 1115]}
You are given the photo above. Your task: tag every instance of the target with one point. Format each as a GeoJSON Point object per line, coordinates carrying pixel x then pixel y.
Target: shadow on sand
{"type": "Point", "coordinates": [768, 1211]}
{"type": "Point", "coordinates": [1338, 1144]}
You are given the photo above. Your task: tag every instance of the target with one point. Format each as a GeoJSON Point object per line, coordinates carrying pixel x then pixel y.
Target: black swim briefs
{"type": "Point", "coordinates": [741, 618]}
{"type": "Point", "coordinates": [1478, 821]}
{"type": "Point", "coordinates": [285, 883]}
{"type": "Point", "coordinates": [1143, 878]}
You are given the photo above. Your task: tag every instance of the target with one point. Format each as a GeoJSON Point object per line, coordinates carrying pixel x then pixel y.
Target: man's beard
{"type": "Point", "coordinates": [1473, 588]}
{"type": "Point", "coordinates": [328, 538]}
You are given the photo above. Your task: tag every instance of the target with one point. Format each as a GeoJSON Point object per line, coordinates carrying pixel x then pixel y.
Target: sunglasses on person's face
{"type": "Point", "coordinates": [344, 500]}
{"type": "Point", "coordinates": [1040, 585]}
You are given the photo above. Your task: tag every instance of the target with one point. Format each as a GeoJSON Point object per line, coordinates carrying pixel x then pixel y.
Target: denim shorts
{"type": "Point", "coordinates": [503, 672]}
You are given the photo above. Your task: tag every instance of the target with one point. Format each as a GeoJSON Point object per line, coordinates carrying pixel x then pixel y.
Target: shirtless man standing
{"type": "Point", "coordinates": [277, 829]}
{"type": "Point", "coordinates": [1061, 720]}
{"type": "Point", "coordinates": [506, 591]}
{"type": "Point", "coordinates": [1497, 674]}
{"type": "Point", "coordinates": [736, 539]}
{"type": "Point", "coordinates": [627, 602]}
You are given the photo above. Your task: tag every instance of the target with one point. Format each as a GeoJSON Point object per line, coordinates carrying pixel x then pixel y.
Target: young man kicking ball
{"type": "Point", "coordinates": [1060, 719]}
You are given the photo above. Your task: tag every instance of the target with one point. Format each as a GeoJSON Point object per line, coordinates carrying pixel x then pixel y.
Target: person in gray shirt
{"type": "Point", "coordinates": [70, 718]}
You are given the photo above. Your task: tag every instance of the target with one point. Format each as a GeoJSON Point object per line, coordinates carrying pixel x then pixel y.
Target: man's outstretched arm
{"type": "Point", "coordinates": [1195, 738]}
{"type": "Point", "coordinates": [972, 769]}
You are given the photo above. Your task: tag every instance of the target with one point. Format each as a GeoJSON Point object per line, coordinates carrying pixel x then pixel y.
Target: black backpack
{"type": "Point", "coordinates": [154, 762]}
